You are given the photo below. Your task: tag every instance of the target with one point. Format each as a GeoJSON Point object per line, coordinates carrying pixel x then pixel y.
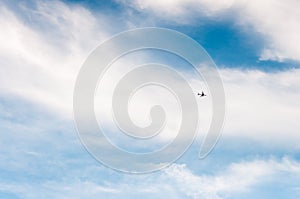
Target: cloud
{"type": "Point", "coordinates": [177, 181]}
{"type": "Point", "coordinates": [257, 100]}
{"type": "Point", "coordinates": [276, 21]}
{"type": "Point", "coordinates": [40, 60]}
{"type": "Point", "coordinates": [235, 179]}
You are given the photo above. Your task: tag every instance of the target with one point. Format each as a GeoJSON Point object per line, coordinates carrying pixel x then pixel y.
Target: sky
{"type": "Point", "coordinates": [255, 47]}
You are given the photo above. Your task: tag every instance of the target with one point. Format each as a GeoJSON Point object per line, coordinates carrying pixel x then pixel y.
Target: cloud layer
{"type": "Point", "coordinates": [42, 48]}
{"type": "Point", "coordinates": [40, 65]}
{"type": "Point", "coordinates": [178, 181]}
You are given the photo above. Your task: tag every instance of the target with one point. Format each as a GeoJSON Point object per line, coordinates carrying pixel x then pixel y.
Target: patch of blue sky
{"type": "Point", "coordinates": [8, 195]}
{"type": "Point", "coordinates": [231, 47]}
{"type": "Point", "coordinates": [97, 5]}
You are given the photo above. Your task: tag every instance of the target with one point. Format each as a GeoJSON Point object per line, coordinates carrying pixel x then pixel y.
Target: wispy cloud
{"type": "Point", "coordinates": [41, 58]}
{"type": "Point", "coordinates": [178, 181]}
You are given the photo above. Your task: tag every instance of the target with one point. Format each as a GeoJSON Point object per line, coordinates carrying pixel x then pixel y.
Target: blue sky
{"type": "Point", "coordinates": [254, 44]}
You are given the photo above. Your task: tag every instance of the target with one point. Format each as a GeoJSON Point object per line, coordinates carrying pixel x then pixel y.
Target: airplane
{"type": "Point", "coordinates": [202, 94]}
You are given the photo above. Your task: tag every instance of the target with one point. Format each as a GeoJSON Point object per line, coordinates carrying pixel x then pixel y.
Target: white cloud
{"type": "Point", "coordinates": [260, 105]}
{"type": "Point", "coordinates": [236, 178]}
{"type": "Point", "coordinates": [277, 21]}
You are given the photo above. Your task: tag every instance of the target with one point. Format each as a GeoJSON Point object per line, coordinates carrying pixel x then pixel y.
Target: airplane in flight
{"type": "Point", "coordinates": [201, 94]}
